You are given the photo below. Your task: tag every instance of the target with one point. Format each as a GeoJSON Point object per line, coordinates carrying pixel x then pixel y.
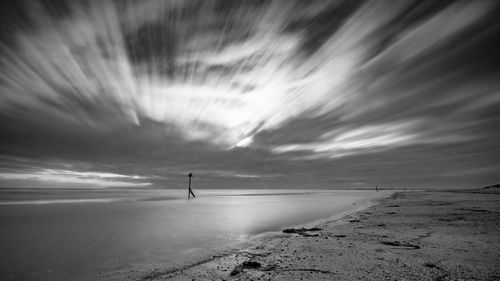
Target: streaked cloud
{"type": "Point", "coordinates": [88, 179]}
{"type": "Point", "coordinates": [358, 140]}
{"type": "Point", "coordinates": [234, 174]}
{"type": "Point", "coordinates": [156, 88]}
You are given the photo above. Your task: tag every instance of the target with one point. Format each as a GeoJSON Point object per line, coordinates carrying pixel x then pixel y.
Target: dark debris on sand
{"type": "Point", "coordinates": [402, 245]}
{"type": "Point", "coordinates": [302, 231]}
{"type": "Point", "coordinates": [245, 265]}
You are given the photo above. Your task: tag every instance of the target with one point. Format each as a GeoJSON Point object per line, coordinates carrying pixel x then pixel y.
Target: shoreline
{"type": "Point", "coordinates": [251, 241]}
{"type": "Point", "coordinates": [409, 235]}
{"type": "Point", "coordinates": [248, 242]}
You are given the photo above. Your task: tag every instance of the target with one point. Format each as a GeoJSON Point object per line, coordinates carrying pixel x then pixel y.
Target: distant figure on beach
{"type": "Point", "coordinates": [190, 191]}
{"type": "Point", "coordinates": [376, 188]}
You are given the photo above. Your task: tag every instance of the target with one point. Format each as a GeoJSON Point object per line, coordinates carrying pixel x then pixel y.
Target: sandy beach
{"type": "Point", "coordinates": [407, 236]}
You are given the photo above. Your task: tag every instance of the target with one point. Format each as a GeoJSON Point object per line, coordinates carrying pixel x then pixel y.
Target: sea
{"type": "Point", "coordinates": [82, 234]}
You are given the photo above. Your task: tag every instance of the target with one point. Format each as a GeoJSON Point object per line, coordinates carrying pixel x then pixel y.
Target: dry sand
{"type": "Point", "coordinates": [408, 236]}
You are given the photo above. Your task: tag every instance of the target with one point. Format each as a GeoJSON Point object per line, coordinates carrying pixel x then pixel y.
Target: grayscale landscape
{"type": "Point", "coordinates": [249, 140]}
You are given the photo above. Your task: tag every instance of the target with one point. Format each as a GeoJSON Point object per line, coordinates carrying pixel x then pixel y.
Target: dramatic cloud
{"type": "Point", "coordinates": [250, 93]}
{"type": "Point", "coordinates": [88, 179]}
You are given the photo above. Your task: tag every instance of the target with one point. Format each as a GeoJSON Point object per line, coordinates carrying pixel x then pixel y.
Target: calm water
{"type": "Point", "coordinates": [76, 235]}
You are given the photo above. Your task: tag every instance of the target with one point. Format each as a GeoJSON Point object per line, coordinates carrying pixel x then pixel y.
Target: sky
{"type": "Point", "coordinates": [249, 94]}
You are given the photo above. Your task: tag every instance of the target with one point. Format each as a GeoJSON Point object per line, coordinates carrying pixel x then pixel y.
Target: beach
{"type": "Point", "coordinates": [414, 235]}
{"type": "Point", "coordinates": [249, 140]}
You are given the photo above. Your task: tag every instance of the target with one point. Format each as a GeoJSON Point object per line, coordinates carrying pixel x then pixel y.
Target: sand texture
{"type": "Point", "coordinates": [408, 236]}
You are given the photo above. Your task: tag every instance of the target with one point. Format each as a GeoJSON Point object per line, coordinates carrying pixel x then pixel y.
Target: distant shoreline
{"type": "Point", "coordinates": [52, 196]}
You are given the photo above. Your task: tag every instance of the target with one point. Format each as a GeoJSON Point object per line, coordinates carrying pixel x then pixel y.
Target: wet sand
{"type": "Point", "coordinates": [408, 236]}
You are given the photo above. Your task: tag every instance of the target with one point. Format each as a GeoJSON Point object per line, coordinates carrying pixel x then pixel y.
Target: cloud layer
{"type": "Point", "coordinates": [284, 92]}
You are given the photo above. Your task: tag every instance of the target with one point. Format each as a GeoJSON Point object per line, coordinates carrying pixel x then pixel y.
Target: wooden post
{"type": "Point", "coordinates": [189, 187]}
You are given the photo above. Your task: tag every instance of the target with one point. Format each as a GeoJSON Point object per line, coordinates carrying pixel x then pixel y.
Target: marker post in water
{"type": "Point", "coordinates": [190, 191]}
